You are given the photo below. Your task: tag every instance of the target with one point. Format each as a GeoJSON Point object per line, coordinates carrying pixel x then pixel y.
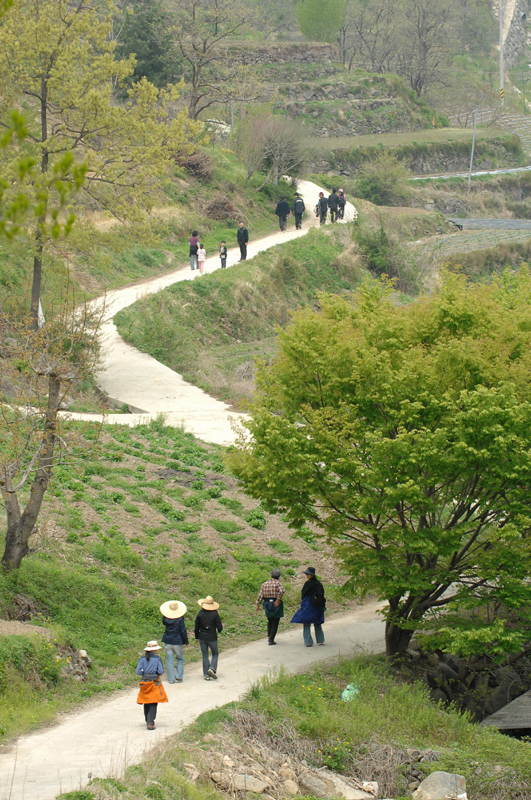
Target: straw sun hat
{"type": "Point", "coordinates": [208, 603]}
{"type": "Point", "coordinates": [173, 609]}
{"type": "Point", "coordinates": [153, 645]}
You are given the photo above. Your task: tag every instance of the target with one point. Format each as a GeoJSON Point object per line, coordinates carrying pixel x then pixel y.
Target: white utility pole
{"type": "Point", "coordinates": [472, 152]}
{"type": "Point", "coordinates": [501, 51]}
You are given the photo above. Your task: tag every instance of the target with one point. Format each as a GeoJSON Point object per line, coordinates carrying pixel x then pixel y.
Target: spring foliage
{"type": "Point", "coordinates": [404, 433]}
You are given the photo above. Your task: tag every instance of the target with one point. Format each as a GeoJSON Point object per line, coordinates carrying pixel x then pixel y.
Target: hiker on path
{"type": "Point", "coordinates": [322, 208]}
{"type": "Point", "coordinates": [243, 238]}
{"type": "Point", "coordinates": [282, 211]}
{"type": "Point", "coordinates": [298, 208]}
{"type": "Point", "coordinates": [223, 254]}
{"type": "Point", "coordinates": [333, 205]}
{"type": "Point", "coordinates": [201, 257]}
{"type": "Point", "coordinates": [174, 639]}
{"type": "Point", "coordinates": [207, 626]}
{"type": "Point", "coordinates": [151, 693]}
{"type": "Point", "coordinates": [270, 594]}
{"type": "Point", "coordinates": [342, 201]}
{"type": "Point", "coordinates": [311, 612]}
{"type": "Point", "coordinates": [194, 247]}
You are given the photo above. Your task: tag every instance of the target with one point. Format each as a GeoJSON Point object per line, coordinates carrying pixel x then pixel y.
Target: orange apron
{"type": "Point", "coordinates": [150, 692]}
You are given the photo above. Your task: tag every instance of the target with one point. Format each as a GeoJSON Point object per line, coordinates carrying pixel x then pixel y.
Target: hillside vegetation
{"type": "Point", "coordinates": [390, 733]}
{"type": "Point", "coordinates": [212, 330]}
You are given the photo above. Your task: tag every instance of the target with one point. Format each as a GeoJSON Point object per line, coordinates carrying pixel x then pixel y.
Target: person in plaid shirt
{"type": "Point", "coordinates": [270, 595]}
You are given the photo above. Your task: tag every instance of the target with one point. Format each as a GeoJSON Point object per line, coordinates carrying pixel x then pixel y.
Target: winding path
{"type": "Point", "coordinates": [149, 387]}
{"type": "Point", "coordinates": [105, 737]}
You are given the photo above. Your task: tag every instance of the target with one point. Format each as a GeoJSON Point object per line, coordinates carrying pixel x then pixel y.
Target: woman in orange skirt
{"type": "Point", "coordinates": [150, 667]}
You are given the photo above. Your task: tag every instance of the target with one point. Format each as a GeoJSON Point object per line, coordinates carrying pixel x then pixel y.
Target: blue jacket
{"type": "Point", "coordinates": [152, 667]}
{"type": "Point", "coordinates": [175, 632]}
{"type": "Point", "coordinates": [309, 613]}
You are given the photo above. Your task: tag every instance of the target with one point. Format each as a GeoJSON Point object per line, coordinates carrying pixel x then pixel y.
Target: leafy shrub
{"type": "Point", "coordinates": [224, 525]}
{"type": "Point", "coordinates": [35, 656]}
{"type": "Point", "coordinates": [256, 518]}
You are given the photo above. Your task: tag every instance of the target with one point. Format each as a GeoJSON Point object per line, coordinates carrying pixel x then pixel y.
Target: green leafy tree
{"type": "Point", "coordinates": [145, 32]}
{"type": "Point", "coordinates": [321, 20]}
{"type": "Point", "coordinates": [57, 60]}
{"type": "Point", "coordinates": [404, 433]}
{"type": "Point", "coordinates": [383, 180]}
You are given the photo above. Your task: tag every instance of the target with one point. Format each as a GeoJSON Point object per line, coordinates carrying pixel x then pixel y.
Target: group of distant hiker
{"type": "Point", "coordinates": [206, 628]}
{"type": "Point", "coordinates": [335, 203]}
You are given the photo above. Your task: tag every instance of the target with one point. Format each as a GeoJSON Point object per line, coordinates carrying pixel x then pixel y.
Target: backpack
{"type": "Point", "coordinates": [299, 206]}
{"type": "Point", "coordinates": [342, 201]}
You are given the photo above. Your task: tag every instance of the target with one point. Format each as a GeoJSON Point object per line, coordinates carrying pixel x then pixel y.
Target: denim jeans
{"type": "Point", "coordinates": [213, 664]}
{"type": "Point", "coordinates": [307, 633]}
{"type": "Point", "coordinates": [172, 673]}
{"type": "Point", "coordinates": [194, 262]}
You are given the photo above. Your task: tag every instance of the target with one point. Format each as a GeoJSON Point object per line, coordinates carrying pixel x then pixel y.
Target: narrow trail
{"type": "Point", "coordinates": [108, 735]}
{"type": "Point", "coordinates": [149, 387]}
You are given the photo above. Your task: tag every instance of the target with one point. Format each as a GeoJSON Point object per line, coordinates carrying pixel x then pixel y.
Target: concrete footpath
{"type": "Point", "coordinates": [149, 387]}
{"type": "Point", "coordinates": [108, 735]}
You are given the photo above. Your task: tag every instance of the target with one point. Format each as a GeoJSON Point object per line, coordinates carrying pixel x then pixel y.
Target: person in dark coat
{"type": "Point", "coordinates": [243, 238]}
{"type": "Point", "coordinates": [282, 211]}
{"type": "Point", "coordinates": [151, 691]}
{"type": "Point", "coordinates": [298, 208]}
{"type": "Point", "coordinates": [270, 595]}
{"type": "Point", "coordinates": [174, 639]}
{"type": "Point", "coordinates": [311, 612]}
{"type": "Point", "coordinates": [341, 204]}
{"type": "Point", "coordinates": [333, 205]}
{"type": "Point", "coordinates": [194, 247]}
{"type": "Point", "coordinates": [207, 626]}
{"type": "Point", "coordinates": [322, 208]}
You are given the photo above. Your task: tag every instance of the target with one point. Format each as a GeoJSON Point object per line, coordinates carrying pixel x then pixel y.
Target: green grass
{"type": "Point", "coordinates": [428, 135]}
{"type": "Point", "coordinates": [303, 717]}
{"type": "Point", "coordinates": [210, 330]}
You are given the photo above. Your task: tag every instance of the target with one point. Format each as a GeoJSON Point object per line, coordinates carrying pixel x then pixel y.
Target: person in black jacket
{"type": "Point", "coordinates": [243, 238]}
{"type": "Point", "coordinates": [333, 205]}
{"type": "Point", "coordinates": [322, 208]}
{"type": "Point", "coordinates": [313, 605]}
{"type": "Point", "coordinates": [175, 637]}
{"type": "Point", "coordinates": [207, 626]}
{"type": "Point", "coordinates": [282, 211]}
{"type": "Point", "coordinates": [298, 208]}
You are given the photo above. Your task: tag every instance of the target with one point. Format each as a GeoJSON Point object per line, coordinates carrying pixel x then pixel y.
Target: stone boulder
{"type": "Point", "coordinates": [248, 783]}
{"type": "Point", "coordinates": [442, 786]}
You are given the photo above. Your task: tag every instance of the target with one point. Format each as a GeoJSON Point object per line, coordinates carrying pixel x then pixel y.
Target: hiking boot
{"type": "Point", "coordinates": [212, 674]}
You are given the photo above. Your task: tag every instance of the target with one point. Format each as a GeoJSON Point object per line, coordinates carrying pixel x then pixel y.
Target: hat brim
{"type": "Point", "coordinates": [171, 613]}
{"type": "Point", "coordinates": [152, 649]}
{"type": "Point", "coordinates": [208, 606]}
{"type": "Point", "coordinates": [306, 572]}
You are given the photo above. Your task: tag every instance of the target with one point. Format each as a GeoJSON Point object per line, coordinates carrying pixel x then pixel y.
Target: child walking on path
{"type": "Point", "coordinates": [201, 257]}
{"type": "Point", "coordinates": [151, 693]}
{"type": "Point", "coordinates": [223, 254]}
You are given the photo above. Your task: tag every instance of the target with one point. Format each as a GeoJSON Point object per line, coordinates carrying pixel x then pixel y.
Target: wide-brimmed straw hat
{"type": "Point", "coordinates": [173, 609]}
{"type": "Point", "coordinates": [208, 603]}
{"type": "Point", "coordinates": [153, 645]}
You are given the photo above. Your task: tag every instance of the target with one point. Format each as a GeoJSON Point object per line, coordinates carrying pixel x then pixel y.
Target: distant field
{"type": "Point", "coordinates": [407, 137]}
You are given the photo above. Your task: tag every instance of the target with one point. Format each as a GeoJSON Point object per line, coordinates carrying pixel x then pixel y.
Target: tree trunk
{"type": "Point", "coordinates": [21, 526]}
{"type": "Point", "coordinates": [397, 640]}
{"type": "Point", "coordinates": [37, 277]}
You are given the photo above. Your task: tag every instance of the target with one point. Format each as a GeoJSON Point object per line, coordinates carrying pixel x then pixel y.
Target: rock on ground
{"type": "Point", "coordinates": [442, 786]}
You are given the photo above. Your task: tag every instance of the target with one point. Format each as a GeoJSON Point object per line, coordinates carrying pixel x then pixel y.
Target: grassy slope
{"type": "Point", "coordinates": [429, 135]}
{"type": "Point", "coordinates": [303, 717]}
{"type": "Point", "coordinates": [100, 255]}
{"type": "Point", "coordinates": [118, 536]}
{"type": "Point", "coordinates": [211, 330]}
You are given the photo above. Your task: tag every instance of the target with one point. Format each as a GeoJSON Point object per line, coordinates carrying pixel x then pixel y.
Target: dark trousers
{"type": "Point", "coordinates": [333, 214]}
{"type": "Point", "coordinates": [283, 221]}
{"type": "Point", "coordinates": [243, 251]}
{"type": "Point", "coordinates": [272, 628]}
{"type": "Point", "coordinates": [223, 262]}
{"type": "Point", "coordinates": [150, 712]}
{"type": "Point", "coordinates": [214, 648]}
{"type": "Point", "coordinates": [322, 217]}
{"type": "Point", "coordinates": [298, 220]}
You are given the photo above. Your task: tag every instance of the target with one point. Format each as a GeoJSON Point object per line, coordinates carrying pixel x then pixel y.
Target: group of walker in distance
{"type": "Point", "coordinates": [206, 628]}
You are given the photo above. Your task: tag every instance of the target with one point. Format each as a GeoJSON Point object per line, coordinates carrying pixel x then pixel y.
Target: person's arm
{"type": "Point", "coordinates": [184, 633]}
{"type": "Point", "coordinates": [140, 666]}
{"type": "Point", "coordinates": [219, 624]}
{"type": "Point", "coordinates": [160, 667]}
{"type": "Point", "coordinates": [196, 626]}
{"type": "Point", "coordinates": [280, 594]}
